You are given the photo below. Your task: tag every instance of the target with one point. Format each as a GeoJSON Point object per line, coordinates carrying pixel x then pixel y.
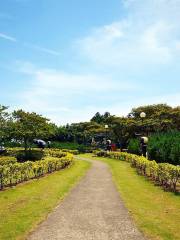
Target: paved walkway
{"type": "Point", "coordinates": [92, 211]}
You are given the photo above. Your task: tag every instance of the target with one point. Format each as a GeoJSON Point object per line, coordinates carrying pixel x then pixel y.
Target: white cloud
{"type": "Point", "coordinates": [67, 96]}
{"type": "Point", "coordinates": [145, 37]}
{"type": "Point", "coordinates": [62, 116]}
{"type": "Point", "coordinates": [121, 57]}
{"type": "Point", "coordinates": [62, 96]}
{"type": "Point", "coordinates": [7, 37]}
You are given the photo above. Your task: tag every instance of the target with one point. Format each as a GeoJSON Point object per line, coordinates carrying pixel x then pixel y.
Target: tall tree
{"type": "Point", "coordinates": [27, 126]}
{"type": "Point", "coordinates": [4, 118]}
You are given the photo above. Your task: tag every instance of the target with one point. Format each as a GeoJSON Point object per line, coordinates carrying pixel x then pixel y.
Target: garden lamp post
{"type": "Point", "coordinates": [142, 116]}
{"type": "Point", "coordinates": [106, 128]}
{"type": "Point", "coordinates": [144, 140]}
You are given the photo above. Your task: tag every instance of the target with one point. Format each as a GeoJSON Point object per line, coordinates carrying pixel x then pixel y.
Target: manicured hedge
{"type": "Point", "coordinates": [5, 160]}
{"type": "Point", "coordinates": [55, 152]}
{"type": "Point", "coordinates": [163, 174]}
{"type": "Point", "coordinates": [75, 152]}
{"type": "Point", "coordinates": [14, 172]}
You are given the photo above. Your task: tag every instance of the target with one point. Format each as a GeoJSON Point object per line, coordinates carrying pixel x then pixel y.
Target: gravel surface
{"type": "Point", "coordinates": [92, 211]}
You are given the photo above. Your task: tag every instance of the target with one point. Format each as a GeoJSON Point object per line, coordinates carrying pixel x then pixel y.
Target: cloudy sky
{"type": "Point", "coordinates": [68, 59]}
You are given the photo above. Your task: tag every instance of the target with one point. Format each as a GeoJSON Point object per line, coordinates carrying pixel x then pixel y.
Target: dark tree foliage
{"type": "Point", "coordinates": [98, 118]}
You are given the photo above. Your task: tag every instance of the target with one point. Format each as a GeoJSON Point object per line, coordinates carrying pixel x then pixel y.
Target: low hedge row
{"type": "Point", "coordinates": [38, 151]}
{"type": "Point", "coordinates": [14, 173]}
{"type": "Point", "coordinates": [75, 152]}
{"type": "Point", "coordinates": [5, 160]}
{"type": "Point", "coordinates": [54, 153]}
{"type": "Point", "coordinates": [163, 174]}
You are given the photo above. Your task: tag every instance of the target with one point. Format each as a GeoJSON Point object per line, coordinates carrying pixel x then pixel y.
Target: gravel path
{"type": "Point", "coordinates": [92, 211]}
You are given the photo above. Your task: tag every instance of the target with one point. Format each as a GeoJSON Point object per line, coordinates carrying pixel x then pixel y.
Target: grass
{"type": "Point", "coordinates": [26, 205]}
{"type": "Point", "coordinates": [156, 212]}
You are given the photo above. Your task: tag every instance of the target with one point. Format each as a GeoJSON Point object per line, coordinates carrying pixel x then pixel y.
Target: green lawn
{"type": "Point", "coordinates": [26, 205]}
{"type": "Point", "coordinates": [156, 213]}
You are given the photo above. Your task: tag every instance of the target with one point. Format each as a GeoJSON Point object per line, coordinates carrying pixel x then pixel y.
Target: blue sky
{"type": "Point", "coordinates": [69, 59]}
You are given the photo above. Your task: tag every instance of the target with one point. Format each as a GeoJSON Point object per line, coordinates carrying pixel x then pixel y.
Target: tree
{"type": "Point", "coordinates": [159, 117]}
{"type": "Point", "coordinates": [123, 129]}
{"type": "Point", "coordinates": [4, 120]}
{"type": "Point", "coordinates": [28, 126]}
{"type": "Point", "coordinates": [97, 118]}
{"type": "Point", "coordinates": [101, 119]}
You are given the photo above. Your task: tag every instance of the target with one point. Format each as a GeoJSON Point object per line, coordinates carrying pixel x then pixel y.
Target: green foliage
{"type": "Point", "coordinates": [159, 117]}
{"type": "Point", "coordinates": [4, 123]}
{"type": "Point", "coordinates": [98, 118]}
{"type": "Point", "coordinates": [55, 153]}
{"type": "Point", "coordinates": [37, 154]}
{"type": "Point", "coordinates": [28, 126]}
{"type": "Point", "coordinates": [74, 152]}
{"type": "Point", "coordinates": [20, 128]}
{"type": "Point", "coordinates": [5, 160]}
{"type": "Point", "coordinates": [165, 147]}
{"type": "Point", "coordinates": [134, 146]}
{"type": "Point", "coordinates": [166, 175]}
{"type": "Point", "coordinates": [150, 110]}
{"type": "Point", "coordinates": [13, 172]}
{"type": "Point", "coordinates": [30, 155]}
{"type": "Point", "coordinates": [123, 129]}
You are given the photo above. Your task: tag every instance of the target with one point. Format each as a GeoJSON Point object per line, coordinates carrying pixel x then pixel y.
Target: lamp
{"type": "Point", "coordinates": [142, 115]}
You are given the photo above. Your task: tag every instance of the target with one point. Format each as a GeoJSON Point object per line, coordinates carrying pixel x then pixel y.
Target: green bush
{"type": "Point", "coordinates": [55, 153]}
{"type": "Point", "coordinates": [35, 154]}
{"type": "Point", "coordinates": [5, 160]}
{"type": "Point", "coordinates": [165, 174]}
{"type": "Point", "coordinates": [101, 153]}
{"type": "Point", "coordinates": [165, 147]}
{"type": "Point", "coordinates": [14, 173]}
{"type": "Point", "coordinates": [75, 152]}
{"type": "Point", "coordinates": [30, 155]}
{"type": "Point", "coordinates": [134, 146]}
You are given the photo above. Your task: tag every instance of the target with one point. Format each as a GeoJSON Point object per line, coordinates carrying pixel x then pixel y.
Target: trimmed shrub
{"type": "Point", "coordinates": [163, 174]}
{"type": "Point", "coordinates": [75, 152]}
{"type": "Point", "coordinates": [5, 160]}
{"type": "Point", "coordinates": [14, 173]}
{"type": "Point", "coordinates": [30, 155]}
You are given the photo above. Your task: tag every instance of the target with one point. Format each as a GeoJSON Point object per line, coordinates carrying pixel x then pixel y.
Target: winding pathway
{"type": "Point", "coordinates": [92, 211]}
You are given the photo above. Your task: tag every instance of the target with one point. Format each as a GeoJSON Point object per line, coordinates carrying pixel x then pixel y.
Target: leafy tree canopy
{"type": "Point", "coordinates": [27, 126]}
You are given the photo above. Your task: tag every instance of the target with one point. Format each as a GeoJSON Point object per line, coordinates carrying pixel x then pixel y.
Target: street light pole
{"type": "Point", "coordinates": [106, 127]}
{"type": "Point", "coordinates": [144, 140]}
{"type": "Point", "coordinates": [142, 116]}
